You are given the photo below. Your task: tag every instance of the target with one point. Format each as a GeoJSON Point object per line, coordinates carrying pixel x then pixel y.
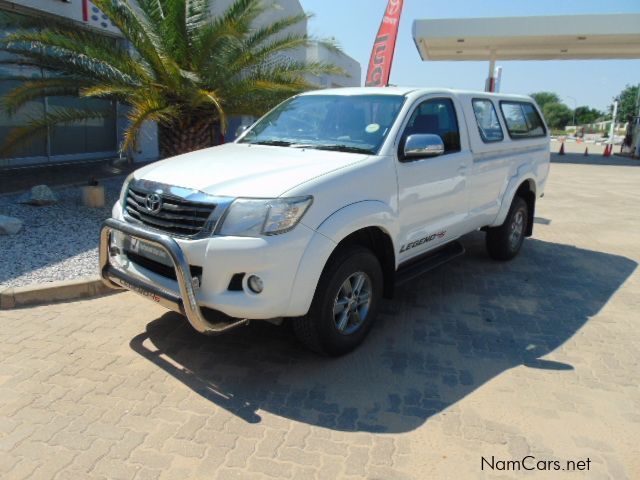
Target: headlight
{"type": "Point", "coordinates": [252, 217]}
{"type": "Point", "coordinates": [123, 192]}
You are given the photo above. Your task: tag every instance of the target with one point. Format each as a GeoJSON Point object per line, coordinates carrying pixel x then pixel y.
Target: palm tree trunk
{"type": "Point", "coordinates": [188, 134]}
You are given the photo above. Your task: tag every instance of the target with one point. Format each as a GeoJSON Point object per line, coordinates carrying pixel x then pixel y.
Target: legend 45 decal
{"type": "Point", "coordinates": [422, 241]}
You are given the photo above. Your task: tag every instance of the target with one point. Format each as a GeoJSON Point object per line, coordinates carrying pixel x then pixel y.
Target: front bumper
{"type": "Point", "coordinates": [185, 303]}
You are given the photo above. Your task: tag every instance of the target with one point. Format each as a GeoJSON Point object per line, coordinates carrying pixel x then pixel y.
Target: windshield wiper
{"type": "Point", "coordinates": [343, 148]}
{"type": "Point", "coordinates": [335, 148]}
{"type": "Point", "coordinates": [275, 143]}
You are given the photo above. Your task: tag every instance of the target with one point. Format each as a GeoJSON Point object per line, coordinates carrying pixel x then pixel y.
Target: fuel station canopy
{"type": "Point", "coordinates": [569, 37]}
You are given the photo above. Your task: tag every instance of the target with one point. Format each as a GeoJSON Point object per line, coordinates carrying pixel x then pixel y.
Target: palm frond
{"type": "Point", "coordinates": [153, 9]}
{"type": "Point", "coordinates": [269, 31]}
{"type": "Point", "coordinates": [268, 52]}
{"type": "Point", "coordinates": [330, 44]}
{"type": "Point", "coordinates": [122, 93]}
{"type": "Point", "coordinates": [174, 34]}
{"type": "Point", "coordinates": [87, 43]}
{"type": "Point", "coordinates": [34, 88]}
{"type": "Point", "coordinates": [143, 35]}
{"type": "Point", "coordinates": [197, 15]}
{"type": "Point", "coordinates": [290, 69]}
{"type": "Point", "coordinates": [71, 63]}
{"type": "Point", "coordinates": [230, 27]}
{"type": "Point", "coordinates": [211, 97]}
{"type": "Point", "coordinates": [149, 109]}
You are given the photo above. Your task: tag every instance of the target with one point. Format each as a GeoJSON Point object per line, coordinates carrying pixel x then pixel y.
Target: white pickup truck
{"type": "Point", "coordinates": [325, 205]}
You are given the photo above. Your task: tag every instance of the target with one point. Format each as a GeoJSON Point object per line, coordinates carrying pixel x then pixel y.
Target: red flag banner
{"type": "Point", "coordinates": [384, 46]}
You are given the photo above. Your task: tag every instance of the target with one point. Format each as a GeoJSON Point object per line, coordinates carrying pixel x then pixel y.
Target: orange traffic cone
{"type": "Point", "coordinates": [586, 152]}
{"type": "Point", "coordinates": [607, 150]}
{"type": "Point", "coordinates": [561, 152]}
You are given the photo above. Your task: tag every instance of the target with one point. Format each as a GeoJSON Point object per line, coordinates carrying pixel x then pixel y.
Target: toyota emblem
{"type": "Point", "coordinates": [153, 203]}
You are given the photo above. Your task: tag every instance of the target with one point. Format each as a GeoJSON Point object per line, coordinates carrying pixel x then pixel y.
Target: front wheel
{"type": "Point", "coordinates": [504, 242]}
{"type": "Point", "coordinates": [345, 303]}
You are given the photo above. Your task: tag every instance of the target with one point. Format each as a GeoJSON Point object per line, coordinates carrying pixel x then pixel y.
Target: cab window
{"type": "Point", "coordinates": [522, 119]}
{"type": "Point", "coordinates": [487, 120]}
{"type": "Point", "coordinates": [436, 116]}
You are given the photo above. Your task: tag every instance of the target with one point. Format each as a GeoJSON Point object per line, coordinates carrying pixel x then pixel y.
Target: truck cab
{"type": "Point", "coordinates": [326, 204]}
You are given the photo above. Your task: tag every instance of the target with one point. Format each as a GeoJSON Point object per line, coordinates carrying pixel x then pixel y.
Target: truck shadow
{"type": "Point", "coordinates": [445, 335]}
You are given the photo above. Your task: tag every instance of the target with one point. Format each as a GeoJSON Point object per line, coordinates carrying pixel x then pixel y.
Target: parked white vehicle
{"type": "Point", "coordinates": [326, 204]}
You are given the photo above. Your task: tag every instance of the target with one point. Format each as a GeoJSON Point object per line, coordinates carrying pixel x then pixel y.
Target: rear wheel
{"type": "Point", "coordinates": [345, 303]}
{"type": "Point", "coordinates": [504, 242]}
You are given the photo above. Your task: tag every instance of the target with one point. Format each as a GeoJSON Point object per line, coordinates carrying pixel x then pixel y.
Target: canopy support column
{"type": "Point", "coordinates": [490, 84]}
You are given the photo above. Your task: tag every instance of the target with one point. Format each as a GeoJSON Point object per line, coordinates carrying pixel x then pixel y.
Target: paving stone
{"type": "Point", "coordinates": [475, 358]}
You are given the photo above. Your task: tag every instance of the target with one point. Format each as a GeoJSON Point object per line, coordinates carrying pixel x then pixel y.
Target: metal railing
{"type": "Point", "coordinates": [186, 303]}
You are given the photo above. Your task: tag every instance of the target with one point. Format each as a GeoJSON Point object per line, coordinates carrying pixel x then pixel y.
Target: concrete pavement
{"type": "Point", "coordinates": [537, 358]}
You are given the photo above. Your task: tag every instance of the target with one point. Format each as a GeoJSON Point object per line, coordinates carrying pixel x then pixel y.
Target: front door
{"type": "Point", "coordinates": [433, 192]}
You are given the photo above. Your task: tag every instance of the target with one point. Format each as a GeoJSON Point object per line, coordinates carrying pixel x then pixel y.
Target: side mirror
{"type": "Point", "coordinates": [422, 145]}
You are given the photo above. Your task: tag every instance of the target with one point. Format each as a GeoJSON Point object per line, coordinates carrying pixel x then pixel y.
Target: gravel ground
{"type": "Point", "coordinates": [57, 242]}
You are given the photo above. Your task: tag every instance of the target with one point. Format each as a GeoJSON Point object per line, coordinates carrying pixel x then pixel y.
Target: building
{"type": "Point", "coordinates": [100, 138]}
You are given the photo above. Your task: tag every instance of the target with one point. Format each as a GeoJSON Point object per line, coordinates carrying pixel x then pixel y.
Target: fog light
{"type": "Point", "coordinates": [255, 284]}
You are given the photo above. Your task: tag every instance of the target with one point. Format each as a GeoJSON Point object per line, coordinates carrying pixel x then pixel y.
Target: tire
{"type": "Point", "coordinates": [330, 331]}
{"type": "Point", "coordinates": [504, 242]}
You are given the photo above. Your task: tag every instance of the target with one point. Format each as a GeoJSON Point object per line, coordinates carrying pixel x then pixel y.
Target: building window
{"type": "Point", "coordinates": [74, 141]}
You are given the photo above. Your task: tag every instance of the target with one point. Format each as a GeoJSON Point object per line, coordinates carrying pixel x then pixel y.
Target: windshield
{"type": "Point", "coordinates": [357, 123]}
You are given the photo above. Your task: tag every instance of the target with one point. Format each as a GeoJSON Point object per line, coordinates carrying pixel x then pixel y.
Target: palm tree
{"type": "Point", "coordinates": [186, 69]}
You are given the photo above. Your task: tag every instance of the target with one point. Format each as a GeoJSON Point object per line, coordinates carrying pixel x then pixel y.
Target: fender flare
{"type": "Point", "coordinates": [359, 215]}
{"type": "Point", "coordinates": [331, 231]}
{"type": "Point", "coordinates": [510, 192]}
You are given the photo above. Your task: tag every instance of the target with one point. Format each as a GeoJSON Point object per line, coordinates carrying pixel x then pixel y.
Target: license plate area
{"type": "Point", "coordinates": [146, 250]}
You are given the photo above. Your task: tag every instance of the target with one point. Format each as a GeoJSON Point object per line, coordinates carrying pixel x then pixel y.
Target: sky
{"type": "Point", "coordinates": [354, 24]}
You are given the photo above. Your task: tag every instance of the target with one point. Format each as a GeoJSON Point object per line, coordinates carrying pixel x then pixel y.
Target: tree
{"type": "Point", "coordinates": [544, 98]}
{"type": "Point", "coordinates": [586, 115]}
{"type": "Point", "coordinates": [627, 103]}
{"type": "Point", "coordinates": [187, 70]}
{"type": "Point", "coordinates": [557, 115]}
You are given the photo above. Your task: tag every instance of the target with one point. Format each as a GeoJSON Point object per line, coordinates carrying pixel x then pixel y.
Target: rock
{"type": "Point", "coordinates": [9, 225]}
{"type": "Point", "coordinates": [40, 195]}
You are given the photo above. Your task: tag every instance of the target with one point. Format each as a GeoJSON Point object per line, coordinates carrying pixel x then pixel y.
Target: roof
{"type": "Point", "coordinates": [363, 91]}
{"type": "Point", "coordinates": [413, 91]}
{"type": "Point", "coordinates": [529, 38]}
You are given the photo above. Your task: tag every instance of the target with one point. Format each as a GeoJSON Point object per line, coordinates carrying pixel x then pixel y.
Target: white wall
{"type": "Point", "coordinates": [319, 53]}
{"type": "Point", "coordinates": [71, 10]}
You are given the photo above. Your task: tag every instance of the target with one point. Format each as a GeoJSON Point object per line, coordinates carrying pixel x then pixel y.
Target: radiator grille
{"type": "Point", "coordinates": [168, 213]}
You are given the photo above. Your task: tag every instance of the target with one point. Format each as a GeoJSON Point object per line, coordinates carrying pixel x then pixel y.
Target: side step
{"type": "Point", "coordinates": [431, 260]}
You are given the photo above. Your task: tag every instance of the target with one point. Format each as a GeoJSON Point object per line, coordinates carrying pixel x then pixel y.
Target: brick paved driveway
{"type": "Point", "coordinates": [540, 356]}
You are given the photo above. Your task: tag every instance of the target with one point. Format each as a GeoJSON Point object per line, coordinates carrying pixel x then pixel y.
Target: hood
{"type": "Point", "coordinates": [242, 170]}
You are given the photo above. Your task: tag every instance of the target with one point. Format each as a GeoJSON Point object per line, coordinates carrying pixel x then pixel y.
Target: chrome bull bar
{"type": "Point", "coordinates": [186, 303]}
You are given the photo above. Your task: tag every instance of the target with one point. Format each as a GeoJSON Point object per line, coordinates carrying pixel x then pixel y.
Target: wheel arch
{"type": "Point", "coordinates": [378, 240]}
{"type": "Point", "coordinates": [368, 223]}
{"type": "Point", "coordinates": [526, 188]}
{"type": "Point", "coordinates": [527, 191]}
